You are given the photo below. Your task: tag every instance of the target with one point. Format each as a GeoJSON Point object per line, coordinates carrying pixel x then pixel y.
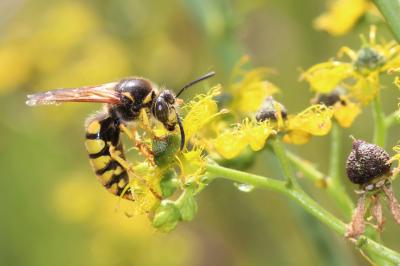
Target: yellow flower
{"type": "Point", "coordinates": [272, 118]}
{"type": "Point", "coordinates": [341, 16]}
{"type": "Point", "coordinates": [230, 143]}
{"type": "Point", "coordinates": [344, 110]}
{"type": "Point", "coordinates": [200, 111]}
{"type": "Point", "coordinates": [249, 87]}
{"type": "Point", "coordinates": [360, 76]}
{"type": "Point", "coordinates": [315, 120]}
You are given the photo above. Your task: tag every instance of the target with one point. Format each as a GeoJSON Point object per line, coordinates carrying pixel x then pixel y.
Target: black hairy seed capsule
{"type": "Point", "coordinates": [366, 162]}
{"type": "Point", "coordinates": [268, 111]}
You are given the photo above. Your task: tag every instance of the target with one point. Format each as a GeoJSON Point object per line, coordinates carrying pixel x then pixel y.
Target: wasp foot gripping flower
{"type": "Point", "coordinates": [344, 110]}
{"type": "Point", "coordinates": [360, 76]}
{"type": "Point", "coordinates": [368, 165]}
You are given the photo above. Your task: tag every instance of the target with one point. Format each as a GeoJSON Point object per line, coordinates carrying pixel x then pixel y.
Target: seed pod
{"type": "Point", "coordinates": [366, 162]}
{"type": "Point", "coordinates": [329, 99]}
{"type": "Point", "coordinates": [268, 110]}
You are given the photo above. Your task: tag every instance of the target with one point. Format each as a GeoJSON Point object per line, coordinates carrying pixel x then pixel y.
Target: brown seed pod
{"type": "Point", "coordinates": [268, 110]}
{"type": "Point", "coordinates": [367, 162]}
{"type": "Point", "coordinates": [329, 99]}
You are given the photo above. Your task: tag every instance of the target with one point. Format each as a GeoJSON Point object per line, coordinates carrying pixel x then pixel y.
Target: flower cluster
{"type": "Point", "coordinates": [360, 77]}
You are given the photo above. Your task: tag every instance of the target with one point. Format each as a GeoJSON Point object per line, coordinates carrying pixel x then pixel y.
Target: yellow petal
{"type": "Point", "coordinates": [256, 135]}
{"type": "Point", "coordinates": [346, 113]}
{"type": "Point", "coordinates": [366, 88]}
{"type": "Point", "coordinates": [296, 137]}
{"type": "Point", "coordinates": [315, 120]}
{"type": "Point", "coordinates": [325, 77]}
{"type": "Point", "coordinates": [341, 16]}
{"type": "Point", "coordinates": [230, 144]}
{"type": "Point", "coordinates": [201, 111]}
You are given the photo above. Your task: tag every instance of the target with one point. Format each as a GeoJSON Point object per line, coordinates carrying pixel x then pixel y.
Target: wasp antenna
{"type": "Point", "coordinates": [183, 140]}
{"type": "Point", "coordinates": [206, 76]}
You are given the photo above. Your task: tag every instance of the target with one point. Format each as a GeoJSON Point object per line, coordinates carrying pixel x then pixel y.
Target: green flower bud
{"type": "Point", "coordinates": [187, 205]}
{"type": "Point", "coordinates": [166, 216]}
{"type": "Point", "coordinates": [169, 183]}
{"type": "Point", "coordinates": [165, 149]}
{"type": "Point", "coordinates": [368, 59]}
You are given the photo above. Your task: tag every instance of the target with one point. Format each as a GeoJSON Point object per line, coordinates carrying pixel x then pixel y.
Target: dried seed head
{"type": "Point", "coordinates": [366, 163]}
{"type": "Point", "coordinates": [268, 110]}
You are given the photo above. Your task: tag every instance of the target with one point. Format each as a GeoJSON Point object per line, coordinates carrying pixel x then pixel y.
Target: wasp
{"type": "Point", "coordinates": [126, 101]}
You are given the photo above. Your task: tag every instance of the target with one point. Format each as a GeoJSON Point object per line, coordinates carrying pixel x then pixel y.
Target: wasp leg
{"type": "Point", "coordinates": [138, 143]}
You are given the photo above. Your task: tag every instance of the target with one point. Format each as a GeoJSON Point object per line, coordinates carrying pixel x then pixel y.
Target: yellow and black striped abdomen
{"type": "Point", "coordinates": [102, 132]}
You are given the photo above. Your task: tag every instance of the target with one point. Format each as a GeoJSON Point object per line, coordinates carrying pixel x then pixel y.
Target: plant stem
{"type": "Point", "coordinates": [339, 195]}
{"type": "Point", "coordinates": [335, 186]}
{"type": "Point", "coordinates": [392, 119]}
{"type": "Point", "coordinates": [390, 9]}
{"type": "Point", "coordinates": [281, 155]}
{"type": "Point", "coordinates": [311, 206]}
{"type": "Point", "coordinates": [380, 126]}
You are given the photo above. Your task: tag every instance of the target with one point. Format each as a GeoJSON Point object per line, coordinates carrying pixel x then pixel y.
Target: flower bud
{"type": "Point", "coordinates": [368, 59]}
{"type": "Point", "coordinates": [166, 216]}
{"type": "Point", "coordinates": [366, 163]}
{"type": "Point", "coordinates": [165, 148]}
{"type": "Point", "coordinates": [268, 110]}
{"type": "Point", "coordinates": [169, 183]}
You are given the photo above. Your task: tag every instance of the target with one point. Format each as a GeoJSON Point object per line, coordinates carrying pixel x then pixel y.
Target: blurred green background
{"type": "Point", "coordinates": [54, 211]}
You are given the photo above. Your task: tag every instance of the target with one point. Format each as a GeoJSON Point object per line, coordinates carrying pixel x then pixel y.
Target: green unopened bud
{"type": "Point", "coordinates": [368, 59]}
{"type": "Point", "coordinates": [169, 183]}
{"type": "Point", "coordinates": [165, 149]}
{"type": "Point", "coordinates": [187, 205]}
{"type": "Point", "coordinates": [166, 216]}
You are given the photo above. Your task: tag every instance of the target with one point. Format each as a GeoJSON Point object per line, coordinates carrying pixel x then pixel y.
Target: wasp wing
{"type": "Point", "coordinates": [104, 93]}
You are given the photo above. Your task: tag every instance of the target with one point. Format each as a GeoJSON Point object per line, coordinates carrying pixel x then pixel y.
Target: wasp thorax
{"type": "Point", "coordinates": [367, 163]}
{"type": "Point", "coordinates": [369, 59]}
{"type": "Point", "coordinates": [329, 99]}
{"type": "Point", "coordinates": [270, 110]}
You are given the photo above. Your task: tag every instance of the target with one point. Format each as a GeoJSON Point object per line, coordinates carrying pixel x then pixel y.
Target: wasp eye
{"type": "Point", "coordinates": [161, 111]}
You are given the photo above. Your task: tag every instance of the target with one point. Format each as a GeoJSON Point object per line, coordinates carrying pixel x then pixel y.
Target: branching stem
{"type": "Point", "coordinates": [300, 197]}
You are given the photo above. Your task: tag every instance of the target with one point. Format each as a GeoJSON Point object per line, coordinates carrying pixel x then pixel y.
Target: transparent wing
{"type": "Point", "coordinates": [104, 93]}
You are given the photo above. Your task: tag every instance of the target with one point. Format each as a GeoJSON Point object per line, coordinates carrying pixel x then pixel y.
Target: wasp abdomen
{"type": "Point", "coordinates": [103, 133]}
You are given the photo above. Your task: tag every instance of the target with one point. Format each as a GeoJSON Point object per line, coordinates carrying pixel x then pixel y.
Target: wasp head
{"type": "Point", "coordinates": [136, 94]}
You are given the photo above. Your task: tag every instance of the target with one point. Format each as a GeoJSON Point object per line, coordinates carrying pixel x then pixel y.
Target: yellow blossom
{"type": "Point", "coordinates": [232, 142]}
{"type": "Point", "coordinates": [200, 112]}
{"type": "Point", "coordinates": [249, 87]}
{"type": "Point", "coordinates": [324, 77]}
{"type": "Point", "coordinates": [315, 120]}
{"type": "Point", "coordinates": [341, 16]}
{"type": "Point", "coordinates": [360, 76]}
{"type": "Point", "coordinates": [345, 112]}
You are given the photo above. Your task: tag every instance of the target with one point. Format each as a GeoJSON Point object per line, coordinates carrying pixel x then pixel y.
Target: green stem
{"type": "Point", "coordinates": [380, 125]}
{"type": "Point", "coordinates": [339, 194]}
{"type": "Point", "coordinates": [301, 198]}
{"type": "Point", "coordinates": [392, 119]}
{"type": "Point", "coordinates": [335, 186]}
{"type": "Point", "coordinates": [280, 153]}
{"type": "Point", "coordinates": [390, 9]}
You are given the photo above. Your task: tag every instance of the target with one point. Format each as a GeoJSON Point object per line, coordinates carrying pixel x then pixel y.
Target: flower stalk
{"type": "Point", "coordinates": [390, 9]}
{"type": "Point", "coordinates": [379, 122]}
{"type": "Point", "coordinates": [300, 197]}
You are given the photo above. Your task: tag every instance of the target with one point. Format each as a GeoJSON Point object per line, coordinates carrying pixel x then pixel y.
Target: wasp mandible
{"type": "Point", "coordinates": [125, 101]}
